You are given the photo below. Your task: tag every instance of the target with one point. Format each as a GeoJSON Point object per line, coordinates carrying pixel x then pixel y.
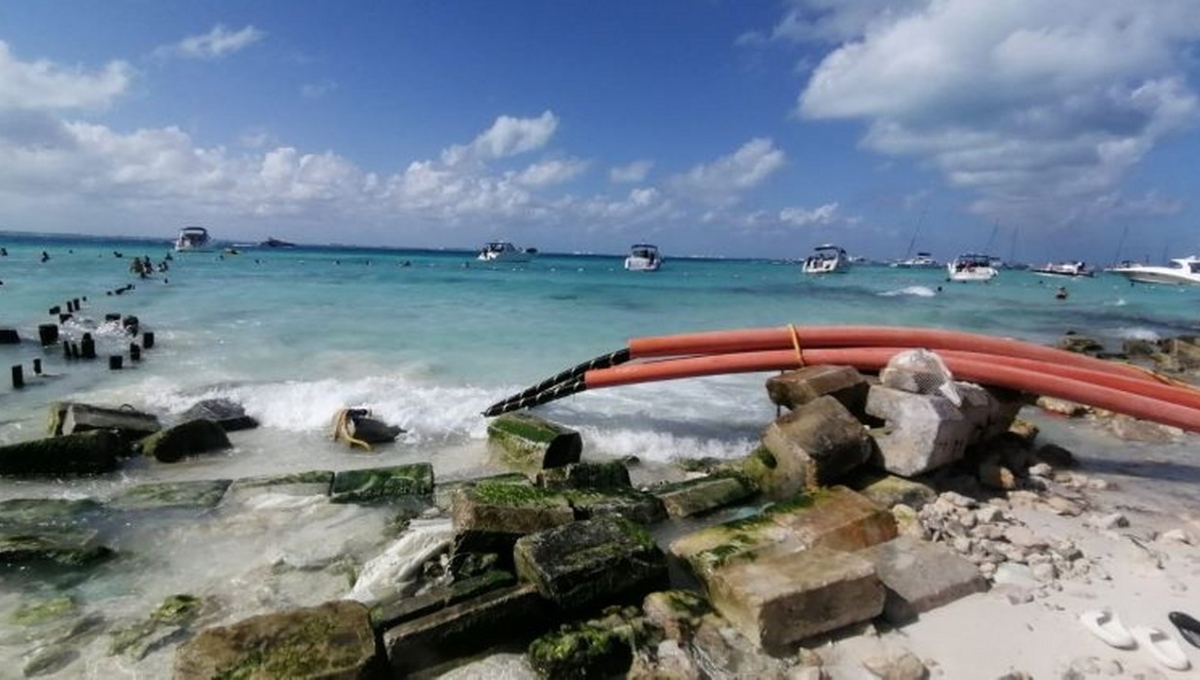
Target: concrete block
{"type": "Point", "coordinates": [695, 496]}
{"type": "Point", "coordinates": [814, 446]}
{"type": "Point", "coordinates": [796, 388]}
{"type": "Point", "coordinates": [779, 600]}
{"type": "Point", "coordinates": [923, 432]}
{"type": "Point", "coordinates": [920, 576]}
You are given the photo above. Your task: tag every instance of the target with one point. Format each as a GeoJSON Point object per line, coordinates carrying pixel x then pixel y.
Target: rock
{"type": "Point", "coordinates": [632, 504]}
{"type": "Point", "coordinates": [779, 599]}
{"type": "Point", "coordinates": [1055, 455]}
{"type": "Point", "coordinates": [585, 650]}
{"type": "Point", "coordinates": [989, 411]}
{"type": "Point", "coordinates": [1132, 429]}
{"type": "Point", "coordinates": [667, 660]}
{"type": "Point", "coordinates": [793, 389]}
{"type": "Point", "coordinates": [185, 439]}
{"type": "Point", "coordinates": [1110, 521]}
{"type": "Point", "coordinates": [401, 608]}
{"type": "Point", "coordinates": [1079, 344]}
{"type": "Point", "coordinates": [230, 415]}
{"type": "Point", "coordinates": [591, 562]}
{"type": "Point", "coordinates": [607, 475]}
{"type": "Point", "coordinates": [514, 614]}
{"type": "Point", "coordinates": [84, 453]}
{"type": "Point", "coordinates": [890, 490]}
{"type": "Point", "coordinates": [924, 431]}
{"type": "Point", "coordinates": [903, 666]}
{"type": "Point", "coordinates": [529, 443]}
{"type": "Point", "coordinates": [1024, 430]}
{"type": "Point", "coordinates": [332, 640]}
{"type": "Point", "coordinates": [71, 418]}
{"type": "Point", "coordinates": [1184, 351]}
{"type": "Point", "coordinates": [1062, 407]}
{"type": "Point", "coordinates": [385, 484]}
{"type": "Point", "coordinates": [835, 518]}
{"type": "Point", "coordinates": [995, 476]}
{"type": "Point", "coordinates": [676, 613]}
{"type": "Point", "coordinates": [920, 576]}
{"type": "Point", "coordinates": [491, 515]}
{"type": "Point", "coordinates": [69, 547]}
{"type": "Point", "coordinates": [815, 445]}
{"type": "Point", "coordinates": [696, 496]}
{"type": "Point", "coordinates": [200, 495]}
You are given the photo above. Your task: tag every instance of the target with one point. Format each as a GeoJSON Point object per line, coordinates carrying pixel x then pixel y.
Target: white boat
{"type": "Point", "coordinates": [1181, 271]}
{"type": "Point", "coordinates": [193, 239]}
{"type": "Point", "coordinates": [920, 261]}
{"type": "Point", "coordinates": [643, 257]}
{"type": "Point", "coordinates": [503, 251]}
{"type": "Point", "coordinates": [971, 267]}
{"type": "Point", "coordinates": [1064, 269]}
{"type": "Point", "coordinates": [827, 259]}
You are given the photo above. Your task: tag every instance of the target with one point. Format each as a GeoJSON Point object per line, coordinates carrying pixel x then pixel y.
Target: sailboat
{"type": "Point", "coordinates": [922, 260]}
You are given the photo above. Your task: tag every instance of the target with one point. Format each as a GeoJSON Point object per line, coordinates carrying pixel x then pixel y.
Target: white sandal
{"type": "Point", "coordinates": [1163, 647]}
{"type": "Point", "coordinates": [1107, 626]}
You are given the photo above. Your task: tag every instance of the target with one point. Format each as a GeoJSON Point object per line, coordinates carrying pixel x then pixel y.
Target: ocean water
{"type": "Point", "coordinates": [427, 340]}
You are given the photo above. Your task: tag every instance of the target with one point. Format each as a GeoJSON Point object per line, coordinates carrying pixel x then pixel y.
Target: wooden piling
{"type": "Point", "coordinates": [115, 361]}
{"type": "Point", "coordinates": [135, 352]}
{"type": "Point", "coordinates": [37, 366]}
{"type": "Point", "coordinates": [48, 334]}
{"type": "Point", "coordinates": [18, 377]}
{"type": "Point", "coordinates": [147, 339]}
{"type": "Point", "coordinates": [87, 347]}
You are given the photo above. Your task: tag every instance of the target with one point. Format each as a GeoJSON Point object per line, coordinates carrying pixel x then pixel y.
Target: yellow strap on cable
{"type": "Point", "coordinates": [796, 344]}
{"type": "Point", "coordinates": [341, 430]}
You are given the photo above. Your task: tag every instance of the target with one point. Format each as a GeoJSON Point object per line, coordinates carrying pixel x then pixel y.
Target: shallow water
{"type": "Point", "coordinates": [296, 334]}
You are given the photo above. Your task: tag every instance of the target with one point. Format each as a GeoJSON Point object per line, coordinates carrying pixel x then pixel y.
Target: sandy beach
{"type": "Point", "coordinates": [1137, 529]}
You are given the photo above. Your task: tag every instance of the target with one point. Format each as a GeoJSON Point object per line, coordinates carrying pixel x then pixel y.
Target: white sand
{"type": "Point", "coordinates": [986, 636]}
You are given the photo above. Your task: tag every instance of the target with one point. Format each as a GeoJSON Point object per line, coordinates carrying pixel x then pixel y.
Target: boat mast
{"type": "Point", "coordinates": [1120, 244]}
{"type": "Point", "coordinates": [912, 241]}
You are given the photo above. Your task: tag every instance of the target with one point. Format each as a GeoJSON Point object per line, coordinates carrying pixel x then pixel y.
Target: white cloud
{"type": "Point", "coordinates": [318, 89]}
{"type": "Point", "coordinates": [724, 180]}
{"type": "Point", "coordinates": [1033, 106]}
{"type": "Point", "coordinates": [634, 172]}
{"type": "Point", "coordinates": [803, 217]}
{"type": "Point", "coordinates": [508, 136]}
{"type": "Point", "coordinates": [42, 85]}
{"type": "Point", "coordinates": [551, 172]}
{"type": "Point", "coordinates": [215, 44]}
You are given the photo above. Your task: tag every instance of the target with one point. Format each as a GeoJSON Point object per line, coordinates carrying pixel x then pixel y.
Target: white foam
{"type": "Point", "coordinates": [394, 568]}
{"type": "Point", "coordinates": [1137, 333]}
{"type": "Point", "coordinates": [913, 291]}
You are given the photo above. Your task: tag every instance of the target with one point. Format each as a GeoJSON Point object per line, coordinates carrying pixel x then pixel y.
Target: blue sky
{"type": "Point", "coordinates": [1039, 130]}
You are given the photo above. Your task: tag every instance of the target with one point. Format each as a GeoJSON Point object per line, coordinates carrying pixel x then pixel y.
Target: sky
{"type": "Point", "coordinates": [1033, 130]}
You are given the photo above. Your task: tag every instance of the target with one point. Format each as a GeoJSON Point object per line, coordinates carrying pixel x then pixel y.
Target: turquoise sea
{"type": "Point", "coordinates": [425, 340]}
{"type": "Point", "coordinates": [428, 339]}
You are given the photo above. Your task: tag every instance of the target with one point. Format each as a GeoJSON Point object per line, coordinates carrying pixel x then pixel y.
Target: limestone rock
{"type": "Point", "coordinates": [815, 445]}
{"type": "Point", "coordinates": [530, 443]}
{"type": "Point", "coordinates": [185, 439]}
{"type": "Point", "coordinates": [84, 453]}
{"type": "Point", "coordinates": [924, 431]}
{"type": "Point", "coordinates": [696, 496]}
{"type": "Point", "coordinates": [796, 388]}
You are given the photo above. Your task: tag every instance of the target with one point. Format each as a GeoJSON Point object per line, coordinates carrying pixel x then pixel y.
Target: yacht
{"type": "Point", "coordinates": [503, 251]}
{"type": "Point", "coordinates": [1064, 269]}
{"type": "Point", "coordinates": [971, 267]}
{"type": "Point", "coordinates": [192, 239]}
{"type": "Point", "coordinates": [920, 261]}
{"type": "Point", "coordinates": [643, 257]}
{"type": "Point", "coordinates": [1180, 271]}
{"type": "Point", "coordinates": [827, 259]}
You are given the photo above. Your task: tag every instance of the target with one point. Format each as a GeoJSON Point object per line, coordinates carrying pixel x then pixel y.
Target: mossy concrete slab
{"type": "Point", "coordinates": [71, 418]}
{"type": "Point", "coordinates": [793, 389]}
{"type": "Point", "coordinates": [332, 640]}
{"type": "Point", "coordinates": [593, 562]}
{"type": "Point", "coordinates": [586, 475]}
{"type": "Point", "coordinates": [632, 504]}
{"type": "Point", "coordinates": [889, 490]}
{"type": "Point", "coordinates": [815, 445]}
{"type": "Point", "coordinates": [47, 512]}
{"type": "Point", "coordinates": [308, 483]}
{"type": "Point", "coordinates": [697, 496]}
{"type": "Point", "coordinates": [921, 576]}
{"type": "Point", "coordinates": [402, 608]}
{"type": "Point", "coordinates": [201, 495]}
{"type": "Point", "coordinates": [85, 453]}
{"type": "Point", "coordinates": [380, 485]}
{"type": "Point", "coordinates": [72, 547]}
{"type": "Point", "coordinates": [514, 614]}
{"type": "Point", "coordinates": [528, 443]}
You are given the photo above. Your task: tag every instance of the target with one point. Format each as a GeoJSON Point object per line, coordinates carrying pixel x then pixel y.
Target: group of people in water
{"type": "Point", "coordinates": [144, 268]}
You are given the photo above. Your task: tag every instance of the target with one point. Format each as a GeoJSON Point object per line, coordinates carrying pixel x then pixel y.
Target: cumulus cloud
{"type": "Point", "coordinates": [634, 172]}
{"type": "Point", "coordinates": [1033, 106]}
{"type": "Point", "coordinates": [217, 43]}
{"type": "Point", "coordinates": [551, 172]}
{"type": "Point", "coordinates": [803, 217]}
{"type": "Point", "coordinates": [724, 180]}
{"type": "Point", "coordinates": [42, 85]}
{"type": "Point", "coordinates": [506, 137]}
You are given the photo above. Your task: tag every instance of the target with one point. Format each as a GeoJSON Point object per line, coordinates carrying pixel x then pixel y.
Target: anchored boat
{"type": "Point", "coordinates": [827, 259]}
{"type": "Point", "coordinates": [503, 251]}
{"type": "Point", "coordinates": [193, 239]}
{"type": "Point", "coordinates": [643, 257]}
